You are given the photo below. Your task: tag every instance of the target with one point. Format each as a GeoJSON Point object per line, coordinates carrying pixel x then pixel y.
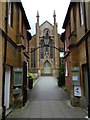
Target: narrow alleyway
{"type": "Point", "coordinates": [47, 100]}
{"type": "Point", "coordinates": [47, 89]}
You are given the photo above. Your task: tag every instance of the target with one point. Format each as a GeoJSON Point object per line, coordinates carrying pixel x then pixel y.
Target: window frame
{"type": "Point", "coordinates": [51, 52]}
{"type": "Point", "coordinates": [66, 68]}
{"type": "Point", "coordinates": [10, 14]}
{"type": "Point", "coordinates": [81, 12]}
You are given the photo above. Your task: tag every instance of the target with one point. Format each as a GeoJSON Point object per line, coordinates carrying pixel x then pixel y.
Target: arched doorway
{"type": "Point", "coordinates": [47, 69]}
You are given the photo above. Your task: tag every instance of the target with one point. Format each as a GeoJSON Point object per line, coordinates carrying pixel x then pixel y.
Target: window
{"type": "Point", "coordinates": [81, 13]}
{"type": "Point", "coordinates": [42, 53]}
{"type": "Point", "coordinates": [46, 32]}
{"type": "Point", "coordinates": [66, 69]}
{"type": "Point", "coordinates": [46, 49]}
{"type": "Point", "coordinates": [20, 21]}
{"type": "Point", "coordinates": [27, 67]}
{"type": "Point", "coordinates": [10, 15]}
{"type": "Point", "coordinates": [33, 58]}
{"type": "Point", "coordinates": [51, 53]}
{"type": "Point", "coordinates": [42, 49]}
{"type": "Point", "coordinates": [18, 77]}
{"type": "Point", "coordinates": [65, 46]}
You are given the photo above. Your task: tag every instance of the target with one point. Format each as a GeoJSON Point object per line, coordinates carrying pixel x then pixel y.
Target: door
{"type": "Point", "coordinates": [47, 68]}
{"type": "Point", "coordinates": [7, 86]}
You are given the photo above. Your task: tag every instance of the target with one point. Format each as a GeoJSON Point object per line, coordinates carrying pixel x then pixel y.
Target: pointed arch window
{"type": "Point", "coordinates": [33, 58]}
{"type": "Point", "coordinates": [42, 49]}
{"type": "Point", "coordinates": [42, 53]}
{"type": "Point", "coordinates": [51, 52]}
{"type": "Point", "coordinates": [47, 49]}
{"type": "Point", "coordinates": [46, 32]}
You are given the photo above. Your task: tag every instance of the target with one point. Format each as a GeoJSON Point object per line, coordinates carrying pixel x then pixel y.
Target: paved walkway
{"type": "Point", "coordinates": [0, 112]}
{"type": "Point", "coordinates": [47, 89]}
{"type": "Point", "coordinates": [47, 100]}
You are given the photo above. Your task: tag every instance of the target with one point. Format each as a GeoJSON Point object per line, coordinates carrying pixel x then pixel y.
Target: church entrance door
{"type": "Point", "coordinates": [47, 68]}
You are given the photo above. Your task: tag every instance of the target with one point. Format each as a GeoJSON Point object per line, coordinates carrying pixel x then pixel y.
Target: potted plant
{"type": "Point", "coordinates": [31, 77]}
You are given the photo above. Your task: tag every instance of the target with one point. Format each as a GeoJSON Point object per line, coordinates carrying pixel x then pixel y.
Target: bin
{"type": "Point", "coordinates": [30, 83]}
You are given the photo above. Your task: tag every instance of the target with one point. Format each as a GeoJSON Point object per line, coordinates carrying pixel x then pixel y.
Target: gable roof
{"type": "Point", "coordinates": [67, 17]}
{"type": "Point", "coordinates": [46, 22]}
{"type": "Point", "coordinates": [24, 14]}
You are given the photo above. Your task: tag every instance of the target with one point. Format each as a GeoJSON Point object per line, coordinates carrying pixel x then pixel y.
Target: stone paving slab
{"type": "Point", "coordinates": [46, 88]}
{"type": "Point", "coordinates": [47, 100]}
{"type": "Point", "coordinates": [0, 115]}
{"type": "Point", "coordinates": [48, 109]}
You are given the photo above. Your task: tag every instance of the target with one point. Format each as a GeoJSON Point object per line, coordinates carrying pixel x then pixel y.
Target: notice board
{"type": "Point", "coordinates": [18, 77]}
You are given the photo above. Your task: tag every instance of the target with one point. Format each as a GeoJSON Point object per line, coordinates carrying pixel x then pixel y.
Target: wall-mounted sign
{"type": "Point", "coordinates": [75, 78]}
{"type": "Point", "coordinates": [77, 90]}
{"type": "Point", "coordinates": [75, 72]}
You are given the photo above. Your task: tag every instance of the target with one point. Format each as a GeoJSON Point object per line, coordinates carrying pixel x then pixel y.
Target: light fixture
{"type": "Point", "coordinates": [46, 42]}
{"type": "Point", "coordinates": [61, 54]}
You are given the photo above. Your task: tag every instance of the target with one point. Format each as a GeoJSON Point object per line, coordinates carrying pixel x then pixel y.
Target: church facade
{"type": "Point", "coordinates": [45, 60]}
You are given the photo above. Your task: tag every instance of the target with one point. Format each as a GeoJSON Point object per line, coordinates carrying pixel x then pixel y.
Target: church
{"type": "Point", "coordinates": [45, 60]}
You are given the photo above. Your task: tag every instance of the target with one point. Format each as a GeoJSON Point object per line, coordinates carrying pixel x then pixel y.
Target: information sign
{"type": "Point", "coordinates": [77, 90]}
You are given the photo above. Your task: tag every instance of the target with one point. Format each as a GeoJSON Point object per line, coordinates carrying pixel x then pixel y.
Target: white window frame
{"type": "Point", "coordinates": [66, 69]}
{"type": "Point", "coordinates": [27, 67]}
{"type": "Point", "coordinates": [10, 13]}
{"type": "Point", "coordinates": [65, 46]}
{"type": "Point", "coordinates": [81, 13]}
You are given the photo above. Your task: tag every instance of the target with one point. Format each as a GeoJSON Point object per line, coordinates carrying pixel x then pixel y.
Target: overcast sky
{"type": "Point", "coordinates": [46, 9]}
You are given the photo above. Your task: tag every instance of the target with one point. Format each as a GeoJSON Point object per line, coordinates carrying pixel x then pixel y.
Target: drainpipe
{"type": "Point", "coordinates": [87, 59]}
{"type": "Point", "coordinates": [4, 64]}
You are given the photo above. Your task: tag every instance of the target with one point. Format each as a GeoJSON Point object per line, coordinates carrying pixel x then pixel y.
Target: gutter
{"type": "Point", "coordinates": [4, 64]}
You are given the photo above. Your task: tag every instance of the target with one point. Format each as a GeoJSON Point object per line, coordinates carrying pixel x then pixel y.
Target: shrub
{"type": "Point", "coordinates": [30, 75]}
{"type": "Point", "coordinates": [61, 76]}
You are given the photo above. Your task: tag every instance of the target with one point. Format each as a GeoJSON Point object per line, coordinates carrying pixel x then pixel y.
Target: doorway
{"type": "Point", "coordinates": [7, 86]}
{"type": "Point", "coordinates": [47, 70]}
{"type": "Point", "coordinates": [24, 83]}
{"type": "Point", "coordinates": [85, 78]}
